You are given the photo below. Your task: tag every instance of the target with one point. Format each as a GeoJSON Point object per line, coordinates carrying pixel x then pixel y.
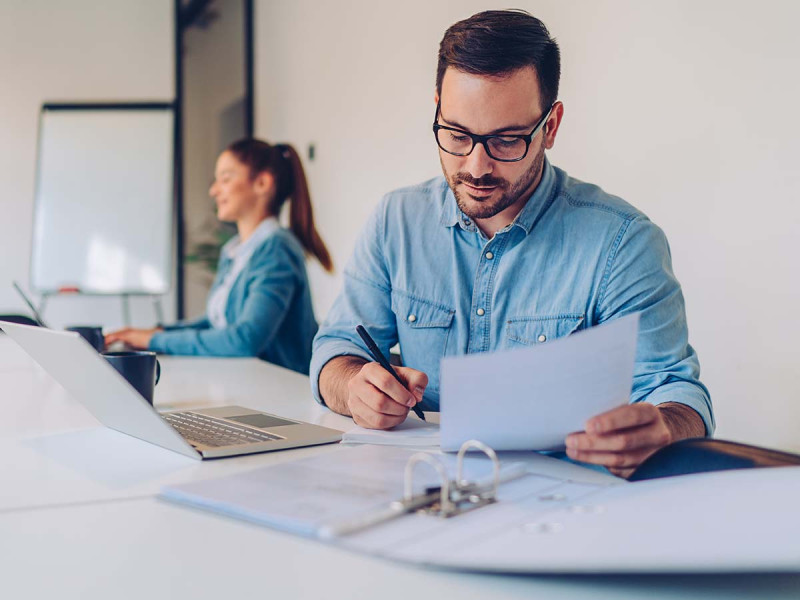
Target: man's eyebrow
{"type": "Point", "coordinates": [506, 129]}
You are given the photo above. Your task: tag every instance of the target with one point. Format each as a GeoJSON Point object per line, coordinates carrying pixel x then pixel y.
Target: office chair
{"type": "Point", "coordinates": [699, 455]}
{"type": "Point", "coordinates": [19, 319]}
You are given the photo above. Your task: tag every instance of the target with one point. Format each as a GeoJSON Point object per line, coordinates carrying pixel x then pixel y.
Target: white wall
{"type": "Point", "coordinates": [687, 109]}
{"type": "Point", "coordinates": [82, 50]}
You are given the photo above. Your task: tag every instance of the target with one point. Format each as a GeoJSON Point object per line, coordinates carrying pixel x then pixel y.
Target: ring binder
{"type": "Point", "coordinates": [551, 517]}
{"type": "Point", "coordinates": [465, 495]}
{"type": "Point", "coordinates": [449, 499]}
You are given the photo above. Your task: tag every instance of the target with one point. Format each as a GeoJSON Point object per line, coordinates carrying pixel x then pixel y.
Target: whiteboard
{"type": "Point", "coordinates": [103, 216]}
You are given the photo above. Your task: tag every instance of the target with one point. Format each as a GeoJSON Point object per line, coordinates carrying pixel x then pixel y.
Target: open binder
{"type": "Point", "coordinates": [450, 498]}
{"type": "Point", "coordinates": [478, 511]}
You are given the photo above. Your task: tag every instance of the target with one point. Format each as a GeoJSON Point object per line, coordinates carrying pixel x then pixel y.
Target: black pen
{"type": "Point", "coordinates": [376, 353]}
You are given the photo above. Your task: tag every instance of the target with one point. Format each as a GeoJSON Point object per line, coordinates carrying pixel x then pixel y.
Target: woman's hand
{"type": "Point", "coordinates": [135, 338]}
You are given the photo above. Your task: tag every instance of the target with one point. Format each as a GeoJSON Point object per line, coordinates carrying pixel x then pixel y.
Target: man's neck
{"type": "Point", "coordinates": [505, 217]}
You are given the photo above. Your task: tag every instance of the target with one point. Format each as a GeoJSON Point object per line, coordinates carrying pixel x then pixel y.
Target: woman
{"type": "Point", "coordinates": [260, 303]}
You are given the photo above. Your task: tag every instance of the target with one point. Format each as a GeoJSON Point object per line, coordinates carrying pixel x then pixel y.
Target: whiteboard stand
{"type": "Point", "coordinates": [158, 308]}
{"type": "Point", "coordinates": [126, 310]}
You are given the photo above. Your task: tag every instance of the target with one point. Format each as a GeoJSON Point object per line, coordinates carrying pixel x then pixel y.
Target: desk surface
{"type": "Point", "coordinates": [78, 514]}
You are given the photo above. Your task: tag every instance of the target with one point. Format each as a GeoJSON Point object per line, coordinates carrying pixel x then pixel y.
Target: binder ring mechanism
{"type": "Point", "coordinates": [451, 497]}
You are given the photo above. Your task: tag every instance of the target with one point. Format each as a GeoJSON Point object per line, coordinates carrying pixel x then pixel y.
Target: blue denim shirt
{"type": "Point", "coordinates": [269, 311]}
{"type": "Point", "coordinates": [422, 274]}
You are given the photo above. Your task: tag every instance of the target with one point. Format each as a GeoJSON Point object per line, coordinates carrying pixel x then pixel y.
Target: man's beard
{"type": "Point", "coordinates": [510, 194]}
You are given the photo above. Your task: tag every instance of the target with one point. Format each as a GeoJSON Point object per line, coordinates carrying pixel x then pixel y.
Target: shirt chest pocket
{"type": "Point", "coordinates": [423, 328]}
{"type": "Point", "coordinates": [539, 329]}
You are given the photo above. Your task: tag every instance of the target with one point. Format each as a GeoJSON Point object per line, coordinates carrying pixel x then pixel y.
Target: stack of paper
{"type": "Point", "coordinates": [412, 433]}
{"type": "Point", "coordinates": [734, 521]}
{"type": "Point", "coordinates": [307, 495]}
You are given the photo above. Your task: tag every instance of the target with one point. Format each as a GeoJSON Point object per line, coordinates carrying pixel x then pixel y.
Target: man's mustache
{"type": "Point", "coordinates": [485, 181]}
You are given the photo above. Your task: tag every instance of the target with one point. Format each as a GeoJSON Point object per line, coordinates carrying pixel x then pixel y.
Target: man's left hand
{"type": "Point", "coordinates": [622, 438]}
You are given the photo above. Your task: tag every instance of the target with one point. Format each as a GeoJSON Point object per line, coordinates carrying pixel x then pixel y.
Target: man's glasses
{"type": "Point", "coordinates": [504, 147]}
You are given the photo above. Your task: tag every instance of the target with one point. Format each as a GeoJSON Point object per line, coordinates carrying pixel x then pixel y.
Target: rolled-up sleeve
{"type": "Point", "coordinates": [639, 278]}
{"type": "Point", "coordinates": [365, 300]}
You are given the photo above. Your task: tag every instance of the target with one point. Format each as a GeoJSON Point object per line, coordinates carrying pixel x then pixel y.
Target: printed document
{"type": "Point", "coordinates": [531, 398]}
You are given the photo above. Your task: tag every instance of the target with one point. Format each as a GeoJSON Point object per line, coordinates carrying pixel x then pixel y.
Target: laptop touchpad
{"type": "Point", "coordinates": [261, 421]}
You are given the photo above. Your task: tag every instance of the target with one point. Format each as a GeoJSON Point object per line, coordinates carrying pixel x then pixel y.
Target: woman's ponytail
{"type": "Point", "coordinates": [284, 163]}
{"type": "Point", "coordinates": [301, 217]}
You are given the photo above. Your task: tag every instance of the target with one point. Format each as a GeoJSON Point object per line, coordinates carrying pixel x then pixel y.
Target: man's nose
{"type": "Point", "coordinates": [478, 162]}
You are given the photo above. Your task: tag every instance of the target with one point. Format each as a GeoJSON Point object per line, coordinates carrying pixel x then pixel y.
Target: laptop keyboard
{"type": "Point", "coordinates": [214, 432]}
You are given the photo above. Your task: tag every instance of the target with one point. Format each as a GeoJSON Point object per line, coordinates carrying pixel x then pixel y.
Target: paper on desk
{"type": "Point", "coordinates": [531, 398]}
{"type": "Point", "coordinates": [411, 433]}
{"type": "Point", "coordinates": [730, 521]}
{"type": "Point", "coordinates": [305, 495]}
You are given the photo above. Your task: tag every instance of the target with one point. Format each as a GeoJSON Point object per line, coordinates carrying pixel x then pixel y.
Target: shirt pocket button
{"type": "Point", "coordinates": [412, 318]}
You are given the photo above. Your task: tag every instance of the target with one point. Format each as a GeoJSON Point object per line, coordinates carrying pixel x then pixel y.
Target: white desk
{"type": "Point", "coordinates": [78, 518]}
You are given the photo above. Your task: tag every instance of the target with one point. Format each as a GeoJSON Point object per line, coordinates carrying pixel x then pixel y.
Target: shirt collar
{"type": "Point", "coordinates": [234, 247]}
{"type": "Point", "coordinates": [450, 211]}
{"type": "Point", "coordinates": [538, 201]}
{"type": "Point", "coordinates": [526, 218]}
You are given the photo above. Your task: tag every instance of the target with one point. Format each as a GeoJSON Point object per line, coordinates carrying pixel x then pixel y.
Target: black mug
{"type": "Point", "coordinates": [140, 368]}
{"type": "Point", "coordinates": [92, 334]}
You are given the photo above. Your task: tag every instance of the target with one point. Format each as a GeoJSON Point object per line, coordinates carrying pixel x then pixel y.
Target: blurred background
{"type": "Point", "coordinates": [688, 110]}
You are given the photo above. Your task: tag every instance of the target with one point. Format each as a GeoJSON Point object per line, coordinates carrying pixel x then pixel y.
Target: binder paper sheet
{"type": "Point", "coordinates": [531, 398]}
{"type": "Point", "coordinates": [306, 495]}
{"type": "Point", "coordinates": [730, 521]}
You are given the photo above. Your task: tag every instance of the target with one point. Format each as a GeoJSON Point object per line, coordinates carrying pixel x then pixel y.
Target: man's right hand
{"type": "Point", "coordinates": [369, 393]}
{"type": "Point", "coordinates": [377, 400]}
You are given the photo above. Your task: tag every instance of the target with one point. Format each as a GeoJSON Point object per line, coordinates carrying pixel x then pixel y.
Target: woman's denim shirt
{"type": "Point", "coordinates": [269, 311]}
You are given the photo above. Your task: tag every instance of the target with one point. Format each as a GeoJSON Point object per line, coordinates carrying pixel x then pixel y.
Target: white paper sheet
{"type": "Point", "coordinates": [531, 398]}
{"type": "Point", "coordinates": [307, 495]}
{"type": "Point", "coordinates": [733, 521]}
{"type": "Point", "coordinates": [411, 433]}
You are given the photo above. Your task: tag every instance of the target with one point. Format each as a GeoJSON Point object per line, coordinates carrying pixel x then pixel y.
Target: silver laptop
{"type": "Point", "coordinates": [206, 433]}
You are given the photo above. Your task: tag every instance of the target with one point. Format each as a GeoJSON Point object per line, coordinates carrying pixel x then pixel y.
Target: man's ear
{"type": "Point", "coordinates": [552, 125]}
{"type": "Point", "coordinates": [435, 96]}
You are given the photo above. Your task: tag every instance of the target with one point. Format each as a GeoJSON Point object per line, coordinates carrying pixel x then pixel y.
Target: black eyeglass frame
{"type": "Point", "coordinates": [484, 139]}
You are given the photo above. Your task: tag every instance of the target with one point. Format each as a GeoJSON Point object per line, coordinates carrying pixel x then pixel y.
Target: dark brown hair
{"type": "Point", "coordinates": [283, 163]}
{"type": "Point", "coordinates": [499, 42]}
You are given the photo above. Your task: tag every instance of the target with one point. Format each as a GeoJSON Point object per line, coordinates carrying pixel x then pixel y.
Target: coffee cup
{"type": "Point", "coordinates": [140, 368]}
{"type": "Point", "coordinates": [92, 334]}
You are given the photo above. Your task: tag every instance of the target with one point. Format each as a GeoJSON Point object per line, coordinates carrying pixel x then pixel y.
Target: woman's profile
{"type": "Point", "coordinates": [260, 302]}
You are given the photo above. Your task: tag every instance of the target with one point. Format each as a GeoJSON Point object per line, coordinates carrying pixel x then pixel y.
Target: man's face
{"type": "Point", "coordinates": [485, 187]}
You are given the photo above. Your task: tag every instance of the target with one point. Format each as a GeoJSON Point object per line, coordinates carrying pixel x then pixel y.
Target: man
{"type": "Point", "coordinates": [507, 250]}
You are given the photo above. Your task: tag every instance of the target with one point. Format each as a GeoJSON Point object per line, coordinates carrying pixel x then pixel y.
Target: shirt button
{"type": "Point", "coordinates": [489, 256]}
{"type": "Point", "coordinates": [542, 338]}
{"type": "Point", "coordinates": [480, 312]}
{"type": "Point", "coordinates": [412, 318]}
